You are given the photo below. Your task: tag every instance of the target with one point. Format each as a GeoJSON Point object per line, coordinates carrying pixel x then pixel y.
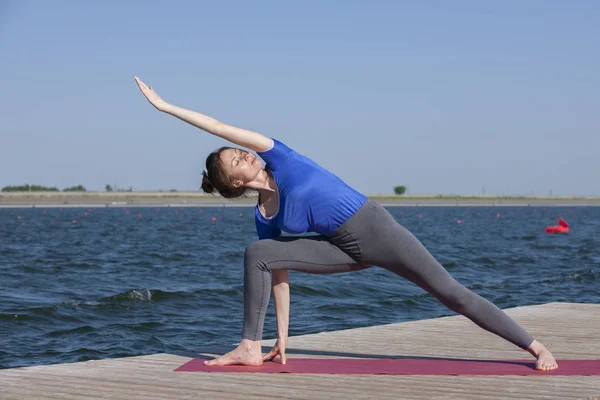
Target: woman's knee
{"type": "Point", "coordinates": [254, 255]}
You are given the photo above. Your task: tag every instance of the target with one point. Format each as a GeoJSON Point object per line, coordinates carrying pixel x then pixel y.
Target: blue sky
{"type": "Point", "coordinates": [443, 97]}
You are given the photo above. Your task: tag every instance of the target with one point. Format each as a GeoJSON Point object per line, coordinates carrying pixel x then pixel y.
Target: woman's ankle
{"type": "Point", "coordinates": [536, 348]}
{"type": "Point", "coordinates": [251, 345]}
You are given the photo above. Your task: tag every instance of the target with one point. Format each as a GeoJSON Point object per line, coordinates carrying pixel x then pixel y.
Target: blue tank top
{"type": "Point", "coordinates": [311, 199]}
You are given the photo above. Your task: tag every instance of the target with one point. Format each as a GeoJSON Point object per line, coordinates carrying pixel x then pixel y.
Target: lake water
{"type": "Point", "coordinates": [122, 282]}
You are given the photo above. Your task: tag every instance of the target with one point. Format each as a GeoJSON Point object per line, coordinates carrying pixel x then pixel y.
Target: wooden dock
{"type": "Point", "coordinates": [571, 331]}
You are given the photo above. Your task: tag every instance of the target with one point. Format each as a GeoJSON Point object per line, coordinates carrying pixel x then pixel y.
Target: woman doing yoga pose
{"type": "Point", "coordinates": [297, 195]}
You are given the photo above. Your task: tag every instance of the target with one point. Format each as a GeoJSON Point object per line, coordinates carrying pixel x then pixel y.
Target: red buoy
{"type": "Point", "coordinates": [562, 227]}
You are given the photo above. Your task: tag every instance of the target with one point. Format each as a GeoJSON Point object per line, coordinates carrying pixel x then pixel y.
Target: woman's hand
{"type": "Point", "coordinates": [278, 350]}
{"type": "Point", "coordinates": [151, 95]}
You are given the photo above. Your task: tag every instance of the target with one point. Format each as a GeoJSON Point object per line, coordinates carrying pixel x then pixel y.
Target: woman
{"type": "Point", "coordinates": [297, 195]}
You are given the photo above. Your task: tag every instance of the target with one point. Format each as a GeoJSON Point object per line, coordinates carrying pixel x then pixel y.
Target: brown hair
{"type": "Point", "coordinates": [215, 177]}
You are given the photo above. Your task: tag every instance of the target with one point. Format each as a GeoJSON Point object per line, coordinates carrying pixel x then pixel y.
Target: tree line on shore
{"type": "Point", "coordinates": [39, 188]}
{"type": "Point", "coordinates": [399, 190]}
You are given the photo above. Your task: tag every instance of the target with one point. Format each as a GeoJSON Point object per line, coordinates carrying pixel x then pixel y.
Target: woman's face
{"type": "Point", "coordinates": [241, 166]}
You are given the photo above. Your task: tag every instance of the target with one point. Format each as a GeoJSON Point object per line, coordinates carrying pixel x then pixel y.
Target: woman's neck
{"type": "Point", "coordinates": [266, 185]}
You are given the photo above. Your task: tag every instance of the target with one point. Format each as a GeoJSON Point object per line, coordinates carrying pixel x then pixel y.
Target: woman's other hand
{"type": "Point", "coordinates": [278, 350]}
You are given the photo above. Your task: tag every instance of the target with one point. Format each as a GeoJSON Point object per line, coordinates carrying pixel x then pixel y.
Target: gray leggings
{"type": "Point", "coordinates": [370, 237]}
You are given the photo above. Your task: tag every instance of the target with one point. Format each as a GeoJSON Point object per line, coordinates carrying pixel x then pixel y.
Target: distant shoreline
{"type": "Point", "coordinates": [197, 199]}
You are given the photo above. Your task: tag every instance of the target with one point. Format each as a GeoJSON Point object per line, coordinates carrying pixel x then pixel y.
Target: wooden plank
{"type": "Point", "coordinates": [570, 330]}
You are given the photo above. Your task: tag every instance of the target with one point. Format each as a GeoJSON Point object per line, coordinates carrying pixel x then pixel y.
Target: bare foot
{"type": "Point", "coordinates": [545, 359]}
{"type": "Point", "coordinates": [247, 353]}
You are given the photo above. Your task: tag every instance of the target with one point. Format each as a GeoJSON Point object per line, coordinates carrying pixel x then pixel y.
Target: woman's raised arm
{"type": "Point", "coordinates": [242, 137]}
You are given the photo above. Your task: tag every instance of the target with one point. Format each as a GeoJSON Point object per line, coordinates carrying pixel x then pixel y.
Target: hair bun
{"type": "Point", "coordinates": [207, 185]}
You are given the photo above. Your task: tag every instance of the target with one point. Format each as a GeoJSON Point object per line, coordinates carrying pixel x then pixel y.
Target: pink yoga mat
{"type": "Point", "coordinates": [405, 366]}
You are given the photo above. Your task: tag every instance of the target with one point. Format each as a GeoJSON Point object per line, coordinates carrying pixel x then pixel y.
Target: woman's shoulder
{"type": "Point", "coordinates": [276, 147]}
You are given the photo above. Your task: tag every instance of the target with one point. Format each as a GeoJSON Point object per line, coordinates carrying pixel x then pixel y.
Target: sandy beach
{"type": "Point", "coordinates": [196, 199]}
